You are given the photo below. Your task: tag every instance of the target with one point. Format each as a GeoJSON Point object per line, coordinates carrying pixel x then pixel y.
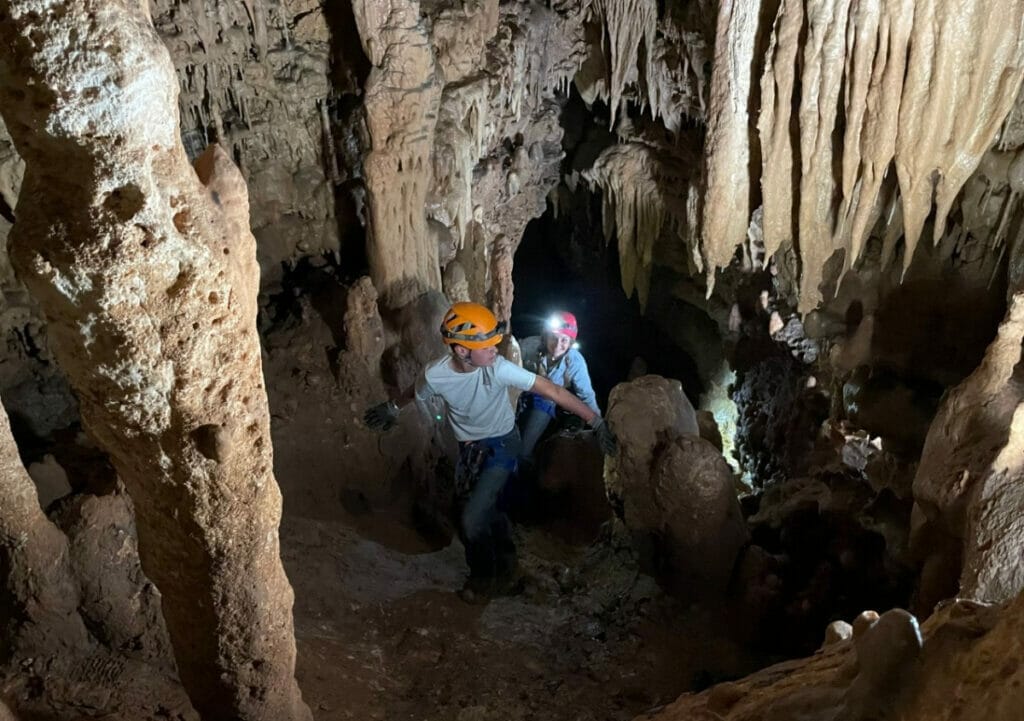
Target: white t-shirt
{"type": "Point", "coordinates": [478, 404]}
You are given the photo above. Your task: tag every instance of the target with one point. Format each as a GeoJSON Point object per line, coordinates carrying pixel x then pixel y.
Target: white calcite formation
{"type": "Point", "coordinates": [890, 76]}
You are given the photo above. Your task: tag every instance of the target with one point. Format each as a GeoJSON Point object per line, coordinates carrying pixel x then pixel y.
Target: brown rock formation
{"type": "Point", "coordinates": [670, 485]}
{"type": "Point", "coordinates": [38, 592]}
{"type": "Point", "coordinates": [967, 486]}
{"type": "Point", "coordinates": [148, 278]}
{"type": "Point", "coordinates": [965, 663]}
{"type": "Point", "coordinates": [402, 97]}
{"type": "Point", "coordinates": [255, 77]}
{"type": "Point", "coordinates": [120, 605]}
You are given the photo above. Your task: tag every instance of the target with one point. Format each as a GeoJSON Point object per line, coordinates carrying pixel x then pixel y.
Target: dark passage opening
{"type": "Point", "coordinates": [612, 331]}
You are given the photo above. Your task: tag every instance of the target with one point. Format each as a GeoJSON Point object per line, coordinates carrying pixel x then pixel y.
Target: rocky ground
{"type": "Point", "coordinates": [382, 634]}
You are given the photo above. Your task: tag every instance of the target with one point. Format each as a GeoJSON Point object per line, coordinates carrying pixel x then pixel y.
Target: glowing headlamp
{"type": "Point", "coordinates": [557, 325]}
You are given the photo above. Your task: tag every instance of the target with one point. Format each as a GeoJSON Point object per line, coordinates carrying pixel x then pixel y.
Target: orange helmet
{"type": "Point", "coordinates": [471, 325]}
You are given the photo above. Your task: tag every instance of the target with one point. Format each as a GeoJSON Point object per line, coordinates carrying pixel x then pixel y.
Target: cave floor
{"type": "Point", "coordinates": [382, 633]}
{"type": "Point", "coordinates": [381, 630]}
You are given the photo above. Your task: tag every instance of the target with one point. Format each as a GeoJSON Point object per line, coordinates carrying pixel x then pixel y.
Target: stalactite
{"type": "Point", "coordinates": [727, 205]}
{"type": "Point", "coordinates": [645, 192]}
{"type": "Point", "coordinates": [862, 49]}
{"type": "Point", "coordinates": [820, 84]}
{"type": "Point", "coordinates": [874, 141]}
{"type": "Point", "coordinates": [774, 126]}
{"type": "Point", "coordinates": [330, 151]}
{"type": "Point", "coordinates": [626, 24]}
{"type": "Point", "coordinates": [937, 148]}
{"type": "Point", "coordinates": [906, 100]}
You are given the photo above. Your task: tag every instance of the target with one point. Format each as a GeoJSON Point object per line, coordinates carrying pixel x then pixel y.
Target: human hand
{"type": "Point", "coordinates": [605, 437]}
{"type": "Point", "coordinates": [381, 417]}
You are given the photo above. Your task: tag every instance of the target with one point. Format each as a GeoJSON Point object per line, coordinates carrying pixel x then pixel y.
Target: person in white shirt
{"type": "Point", "coordinates": [473, 380]}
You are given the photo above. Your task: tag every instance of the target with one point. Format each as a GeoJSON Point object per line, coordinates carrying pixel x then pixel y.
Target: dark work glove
{"type": "Point", "coordinates": [605, 438]}
{"type": "Point", "coordinates": [382, 416]}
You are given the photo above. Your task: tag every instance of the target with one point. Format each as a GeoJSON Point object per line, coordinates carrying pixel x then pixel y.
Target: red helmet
{"type": "Point", "coordinates": [471, 325]}
{"type": "Point", "coordinates": [563, 322]}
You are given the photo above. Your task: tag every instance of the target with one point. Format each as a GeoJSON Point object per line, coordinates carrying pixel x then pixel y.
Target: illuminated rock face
{"type": "Point", "coordinates": [669, 484]}
{"type": "Point", "coordinates": [846, 90]}
{"type": "Point", "coordinates": [146, 271]}
{"type": "Point", "coordinates": [967, 489]}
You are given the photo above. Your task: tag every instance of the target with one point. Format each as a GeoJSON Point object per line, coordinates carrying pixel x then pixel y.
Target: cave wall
{"type": "Point", "coordinates": [260, 79]}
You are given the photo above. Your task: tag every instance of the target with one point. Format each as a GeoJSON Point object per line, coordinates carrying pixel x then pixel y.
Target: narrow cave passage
{"type": "Point", "coordinates": [371, 551]}
{"type": "Point", "coordinates": [614, 333]}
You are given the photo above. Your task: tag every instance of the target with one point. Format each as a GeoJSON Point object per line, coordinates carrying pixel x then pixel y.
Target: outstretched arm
{"type": "Point", "coordinates": [605, 438]}
{"type": "Point", "coordinates": [565, 399]}
{"type": "Point", "coordinates": [578, 377]}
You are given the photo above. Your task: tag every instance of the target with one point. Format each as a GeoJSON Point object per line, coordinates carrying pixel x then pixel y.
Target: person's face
{"type": "Point", "coordinates": [482, 357]}
{"type": "Point", "coordinates": [557, 344]}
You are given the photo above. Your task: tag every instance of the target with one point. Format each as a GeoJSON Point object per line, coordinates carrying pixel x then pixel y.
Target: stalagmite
{"type": "Point", "coordinates": [727, 201]}
{"type": "Point", "coordinates": [148, 278]}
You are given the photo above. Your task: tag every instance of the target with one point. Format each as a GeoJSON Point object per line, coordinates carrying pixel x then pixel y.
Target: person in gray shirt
{"type": "Point", "coordinates": [473, 381]}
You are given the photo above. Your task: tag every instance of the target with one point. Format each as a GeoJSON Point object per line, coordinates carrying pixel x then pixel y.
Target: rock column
{"type": "Point", "coordinates": [146, 271]}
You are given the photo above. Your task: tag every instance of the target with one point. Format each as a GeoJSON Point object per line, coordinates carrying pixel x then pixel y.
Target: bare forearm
{"type": "Point", "coordinates": [564, 398]}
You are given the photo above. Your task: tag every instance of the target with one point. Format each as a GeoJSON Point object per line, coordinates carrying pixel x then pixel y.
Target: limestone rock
{"type": "Point", "coordinates": [402, 97]}
{"type": "Point", "coordinates": [709, 429]}
{"type": "Point", "coordinates": [890, 670]}
{"type": "Point", "coordinates": [364, 330]}
{"type": "Point", "coordinates": [866, 71]}
{"type": "Point", "coordinates": [671, 485]}
{"type": "Point", "coordinates": [966, 484]}
{"type": "Point", "coordinates": [837, 631]}
{"type": "Point", "coordinates": [121, 605]}
{"type": "Point", "coordinates": [256, 77]}
{"type": "Point", "coordinates": [151, 300]}
{"type": "Point", "coordinates": [50, 479]}
{"type": "Point", "coordinates": [38, 591]}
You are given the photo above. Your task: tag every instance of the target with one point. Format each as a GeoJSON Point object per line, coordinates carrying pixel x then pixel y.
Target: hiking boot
{"type": "Point", "coordinates": [477, 589]}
